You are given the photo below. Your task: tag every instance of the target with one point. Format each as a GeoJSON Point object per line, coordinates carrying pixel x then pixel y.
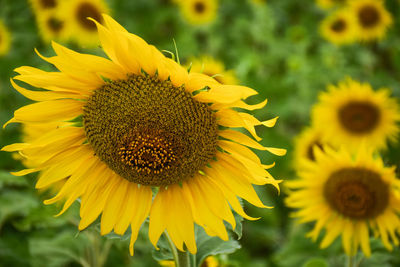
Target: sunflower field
{"type": "Point", "coordinates": [200, 133]}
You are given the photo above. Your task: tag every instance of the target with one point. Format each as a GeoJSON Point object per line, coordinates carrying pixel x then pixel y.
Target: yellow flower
{"type": "Point", "coordinates": [5, 39]}
{"type": "Point", "coordinates": [199, 11]}
{"type": "Point", "coordinates": [213, 68]}
{"type": "Point", "coordinates": [327, 4]}
{"type": "Point", "coordinates": [143, 127]}
{"type": "Point", "coordinates": [352, 113]}
{"type": "Point", "coordinates": [43, 5]}
{"type": "Point", "coordinates": [339, 28]}
{"type": "Point", "coordinates": [77, 12]}
{"type": "Point", "coordinates": [53, 26]}
{"type": "Point", "coordinates": [347, 195]}
{"type": "Point", "coordinates": [304, 146]}
{"type": "Point", "coordinates": [372, 19]}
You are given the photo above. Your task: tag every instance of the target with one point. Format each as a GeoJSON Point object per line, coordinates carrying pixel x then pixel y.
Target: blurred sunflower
{"type": "Point", "coordinates": [52, 26]}
{"type": "Point", "coordinates": [352, 113]}
{"type": "Point", "coordinates": [345, 194]}
{"type": "Point", "coordinates": [142, 125]}
{"type": "Point", "coordinates": [5, 39]}
{"type": "Point", "coordinates": [339, 27]}
{"type": "Point", "coordinates": [372, 19]}
{"type": "Point", "coordinates": [304, 145]}
{"type": "Point", "coordinates": [43, 5]}
{"type": "Point", "coordinates": [327, 4]}
{"type": "Point", "coordinates": [199, 11]}
{"type": "Point", "coordinates": [84, 31]}
{"type": "Point", "coordinates": [213, 68]}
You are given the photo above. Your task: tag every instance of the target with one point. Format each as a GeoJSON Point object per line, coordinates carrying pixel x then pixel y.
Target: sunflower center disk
{"type": "Point", "coordinates": [199, 7]}
{"type": "Point", "coordinates": [150, 132]}
{"type": "Point", "coordinates": [85, 11]}
{"type": "Point", "coordinates": [359, 117]}
{"type": "Point", "coordinates": [48, 3]}
{"type": "Point", "coordinates": [369, 17]}
{"type": "Point", "coordinates": [357, 193]}
{"type": "Point", "coordinates": [148, 153]}
{"type": "Point", "coordinates": [55, 25]}
{"type": "Point", "coordinates": [339, 25]}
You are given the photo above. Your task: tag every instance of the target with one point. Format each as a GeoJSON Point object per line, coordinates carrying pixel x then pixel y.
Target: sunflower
{"type": "Point", "coordinates": [213, 68]}
{"type": "Point", "coordinates": [77, 13]}
{"type": "Point", "coordinates": [339, 28]}
{"type": "Point", "coordinates": [142, 125]}
{"type": "Point", "coordinates": [304, 146]}
{"type": "Point", "coordinates": [43, 5]}
{"type": "Point", "coordinates": [327, 4]}
{"type": "Point", "coordinates": [347, 194]}
{"type": "Point", "coordinates": [372, 19]}
{"type": "Point", "coordinates": [52, 26]}
{"type": "Point", "coordinates": [199, 11]}
{"type": "Point", "coordinates": [5, 39]}
{"type": "Point", "coordinates": [352, 113]}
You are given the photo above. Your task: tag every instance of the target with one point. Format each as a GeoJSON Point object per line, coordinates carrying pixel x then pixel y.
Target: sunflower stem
{"type": "Point", "coordinates": [173, 250]}
{"type": "Point", "coordinates": [350, 261]}
{"type": "Point", "coordinates": [184, 259]}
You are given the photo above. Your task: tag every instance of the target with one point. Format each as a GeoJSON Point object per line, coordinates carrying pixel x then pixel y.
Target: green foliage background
{"type": "Point", "coordinates": [276, 49]}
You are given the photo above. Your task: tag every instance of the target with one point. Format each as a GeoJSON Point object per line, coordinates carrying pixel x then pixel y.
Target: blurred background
{"type": "Point", "coordinates": [277, 47]}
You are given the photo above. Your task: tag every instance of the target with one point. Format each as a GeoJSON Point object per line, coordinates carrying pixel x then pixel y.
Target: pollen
{"type": "Point", "coordinates": [148, 154]}
{"type": "Point", "coordinates": [150, 132]}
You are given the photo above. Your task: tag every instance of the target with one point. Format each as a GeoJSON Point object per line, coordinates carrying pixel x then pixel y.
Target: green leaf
{"type": "Point", "coordinates": [7, 179]}
{"type": "Point", "coordinates": [15, 204]}
{"type": "Point", "coordinates": [59, 250]}
{"type": "Point", "coordinates": [164, 252]}
{"type": "Point", "coordinates": [239, 224]}
{"type": "Point", "coordinates": [207, 245]}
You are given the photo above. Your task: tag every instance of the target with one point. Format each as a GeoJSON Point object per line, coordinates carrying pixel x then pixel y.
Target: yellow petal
{"type": "Point", "coordinates": [112, 25]}
{"type": "Point", "coordinates": [231, 118]}
{"type": "Point", "coordinates": [89, 63]}
{"type": "Point", "coordinates": [179, 211]}
{"type": "Point", "coordinates": [238, 186]}
{"type": "Point", "coordinates": [157, 222]}
{"type": "Point", "coordinates": [232, 199]}
{"type": "Point", "coordinates": [177, 73]}
{"type": "Point", "coordinates": [225, 94]}
{"type": "Point", "coordinates": [364, 238]}
{"type": "Point", "coordinates": [69, 163]}
{"type": "Point", "coordinates": [70, 186]}
{"type": "Point", "coordinates": [332, 233]}
{"type": "Point", "coordinates": [54, 81]}
{"type": "Point", "coordinates": [114, 203]}
{"type": "Point", "coordinates": [15, 147]}
{"type": "Point", "coordinates": [79, 188]}
{"type": "Point", "coordinates": [141, 209]}
{"type": "Point", "coordinates": [198, 81]}
{"type": "Point", "coordinates": [206, 218]}
{"type": "Point", "coordinates": [94, 200]}
{"type": "Point", "coordinates": [55, 110]}
{"type": "Point", "coordinates": [43, 95]}
{"type": "Point", "coordinates": [243, 105]}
